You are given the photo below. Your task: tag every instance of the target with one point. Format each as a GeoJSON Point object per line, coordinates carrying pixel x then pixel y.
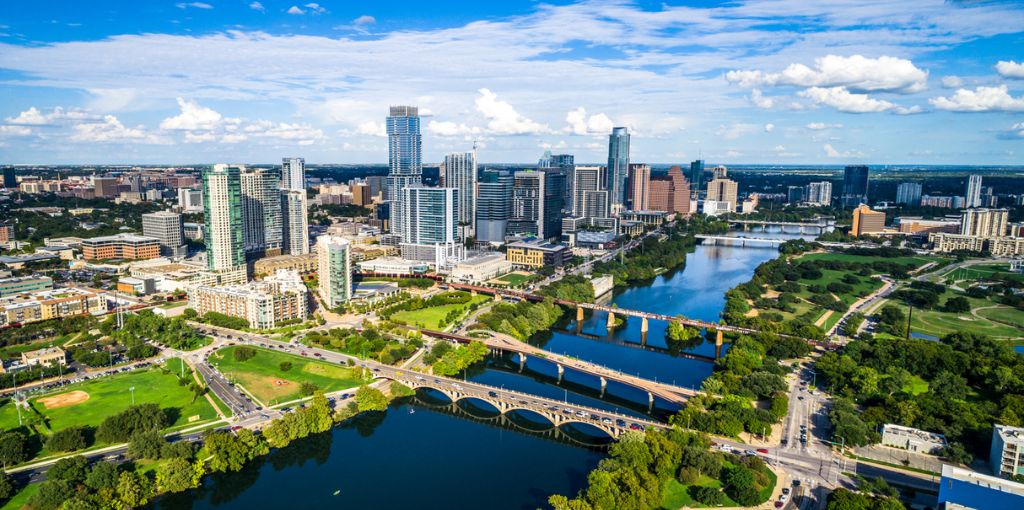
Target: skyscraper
{"type": "Point", "coordinates": [723, 191]}
{"type": "Point", "coordinates": [431, 215]}
{"type": "Point", "coordinates": [819, 193]}
{"type": "Point", "coordinates": [670, 193]}
{"type": "Point", "coordinates": [536, 204]}
{"type": "Point", "coordinates": [719, 172]}
{"type": "Point", "coordinates": [169, 229]}
{"type": "Point", "coordinates": [866, 221]}
{"type": "Point", "coordinates": [855, 185]}
{"type": "Point", "coordinates": [909, 193]}
{"type": "Point", "coordinates": [222, 213]}
{"type": "Point", "coordinates": [618, 166]}
{"type": "Point", "coordinates": [334, 270]}
{"type": "Point", "coordinates": [105, 187]}
{"type": "Point", "coordinates": [795, 194]}
{"type": "Point", "coordinates": [984, 222]}
{"type": "Point", "coordinates": [295, 234]}
{"type": "Point", "coordinates": [261, 212]}
{"type": "Point", "coordinates": [972, 194]}
{"type": "Point", "coordinates": [459, 171]}
{"type": "Point", "coordinates": [697, 175]}
{"type": "Point", "coordinates": [493, 205]}
{"type": "Point", "coordinates": [10, 180]}
{"type": "Point", "coordinates": [585, 180]}
{"type": "Point", "coordinates": [639, 186]}
{"type": "Point", "coordinates": [293, 173]}
{"type": "Point", "coordinates": [565, 163]}
{"type": "Point", "coordinates": [405, 158]}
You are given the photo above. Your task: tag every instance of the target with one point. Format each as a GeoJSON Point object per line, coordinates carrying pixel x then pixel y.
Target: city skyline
{"type": "Point", "coordinates": [732, 83]}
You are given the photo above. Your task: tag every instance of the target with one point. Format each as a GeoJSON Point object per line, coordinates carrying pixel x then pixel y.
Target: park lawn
{"type": "Point", "coordinates": [918, 261]}
{"type": "Point", "coordinates": [21, 498]}
{"type": "Point", "coordinates": [430, 318]}
{"type": "Point", "coordinates": [981, 272]}
{"type": "Point", "coordinates": [263, 377]}
{"type": "Point", "coordinates": [996, 321]}
{"type": "Point", "coordinates": [675, 495]}
{"type": "Point", "coordinates": [111, 395]}
{"type": "Point", "coordinates": [512, 279]}
{"type": "Point", "coordinates": [916, 385]}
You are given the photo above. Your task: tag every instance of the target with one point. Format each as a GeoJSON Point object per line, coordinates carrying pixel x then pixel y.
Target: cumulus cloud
{"type": "Point", "coordinates": [580, 124]}
{"type": "Point", "coordinates": [364, 20]}
{"type": "Point", "coordinates": [34, 117]}
{"type": "Point", "coordinates": [110, 129]}
{"type": "Point", "coordinates": [257, 6]}
{"type": "Point", "coordinates": [858, 73]}
{"type": "Point", "coordinates": [1010, 69]}
{"type": "Point", "coordinates": [981, 99]}
{"type": "Point", "coordinates": [15, 130]}
{"type": "Point", "coordinates": [735, 131]}
{"type": "Point", "coordinates": [833, 153]}
{"type": "Point", "coordinates": [952, 82]}
{"type": "Point", "coordinates": [449, 128]}
{"type": "Point", "coordinates": [769, 127]}
{"type": "Point", "coordinates": [296, 10]}
{"type": "Point", "coordinates": [197, 5]}
{"type": "Point", "coordinates": [372, 128]}
{"type": "Point", "coordinates": [819, 126]}
{"type": "Point", "coordinates": [310, 8]}
{"type": "Point", "coordinates": [192, 116]}
{"type": "Point", "coordinates": [502, 117]}
{"type": "Point", "coordinates": [760, 100]}
{"type": "Point", "coordinates": [845, 101]}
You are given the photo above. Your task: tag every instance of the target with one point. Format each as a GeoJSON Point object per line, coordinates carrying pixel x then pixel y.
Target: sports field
{"type": "Point", "coordinates": [263, 377]}
{"type": "Point", "coordinates": [512, 279]}
{"type": "Point", "coordinates": [89, 402]}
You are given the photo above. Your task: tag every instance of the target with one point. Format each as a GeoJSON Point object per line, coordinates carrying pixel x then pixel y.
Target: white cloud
{"type": "Point", "coordinates": [502, 117]}
{"type": "Point", "coordinates": [760, 100]}
{"type": "Point", "coordinates": [257, 6]}
{"type": "Point", "coordinates": [952, 82]}
{"type": "Point", "coordinates": [579, 124]}
{"type": "Point", "coordinates": [448, 128]}
{"type": "Point", "coordinates": [295, 10]}
{"type": "Point", "coordinates": [197, 5]}
{"type": "Point", "coordinates": [364, 20]}
{"type": "Point", "coordinates": [15, 130]}
{"type": "Point", "coordinates": [303, 134]}
{"type": "Point", "coordinates": [859, 73]}
{"type": "Point", "coordinates": [192, 116]}
{"type": "Point", "coordinates": [735, 131]}
{"type": "Point", "coordinates": [1010, 69]}
{"type": "Point", "coordinates": [34, 117]}
{"type": "Point", "coordinates": [311, 8]}
{"type": "Point", "coordinates": [846, 101]}
{"type": "Point", "coordinates": [833, 153]}
{"type": "Point", "coordinates": [819, 126]}
{"type": "Point", "coordinates": [769, 127]}
{"type": "Point", "coordinates": [233, 138]}
{"type": "Point", "coordinates": [372, 128]}
{"type": "Point", "coordinates": [112, 130]}
{"type": "Point", "coordinates": [981, 99]}
{"type": "Point", "coordinates": [200, 137]}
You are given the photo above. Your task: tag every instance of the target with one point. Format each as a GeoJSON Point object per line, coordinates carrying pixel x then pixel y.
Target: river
{"type": "Point", "coordinates": [425, 454]}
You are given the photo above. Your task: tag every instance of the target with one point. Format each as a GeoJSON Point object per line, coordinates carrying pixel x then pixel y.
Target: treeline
{"type": "Point", "coordinates": [570, 288]}
{"type": "Point", "coordinates": [48, 328]}
{"type": "Point", "coordinates": [217, 319]}
{"type": "Point", "coordinates": [313, 419]}
{"type": "Point", "coordinates": [369, 343]}
{"type": "Point", "coordinates": [458, 359]}
{"type": "Point", "coordinates": [972, 382]}
{"type": "Point", "coordinates": [650, 259]}
{"type": "Point", "coordinates": [639, 465]}
{"type": "Point", "coordinates": [173, 332]}
{"type": "Point", "coordinates": [522, 319]}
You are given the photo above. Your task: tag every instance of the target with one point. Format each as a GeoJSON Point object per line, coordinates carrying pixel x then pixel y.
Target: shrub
{"type": "Point", "coordinates": [67, 440]}
{"type": "Point", "coordinates": [244, 353]}
{"type": "Point", "coordinates": [285, 366]}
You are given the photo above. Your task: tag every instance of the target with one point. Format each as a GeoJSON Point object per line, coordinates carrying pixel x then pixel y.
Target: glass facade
{"type": "Point", "coordinates": [618, 165]}
{"type": "Point", "coordinates": [222, 212]}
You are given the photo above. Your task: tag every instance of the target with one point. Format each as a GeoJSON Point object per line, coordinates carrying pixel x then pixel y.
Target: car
{"type": "Point", "coordinates": [779, 504]}
{"type": "Point", "coordinates": [783, 498]}
{"type": "Point", "coordinates": [796, 483]}
{"type": "Point", "coordinates": [581, 414]}
{"type": "Point", "coordinates": [749, 452]}
{"type": "Point", "coordinates": [606, 421]}
{"type": "Point", "coordinates": [620, 422]}
{"type": "Point", "coordinates": [492, 393]}
{"type": "Point", "coordinates": [785, 490]}
{"type": "Point", "coordinates": [801, 397]}
{"type": "Point", "coordinates": [554, 408]}
{"type": "Point", "coordinates": [785, 442]}
{"type": "Point", "coordinates": [634, 426]}
{"type": "Point", "coordinates": [762, 450]}
{"type": "Point", "coordinates": [593, 417]}
{"type": "Point", "coordinates": [317, 354]}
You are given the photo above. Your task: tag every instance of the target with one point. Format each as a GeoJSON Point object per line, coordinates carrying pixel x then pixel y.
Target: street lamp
{"type": "Point", "coordinates": [132, 390]}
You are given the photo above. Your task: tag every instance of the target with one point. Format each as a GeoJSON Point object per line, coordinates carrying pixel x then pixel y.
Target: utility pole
{"type": "Point", "coordinates": [910, 315]}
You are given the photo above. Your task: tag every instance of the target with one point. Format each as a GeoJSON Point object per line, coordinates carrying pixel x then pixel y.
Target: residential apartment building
{"type": "Point", "coordinates": [222, 213]}
{"type": "Point", "coordinates": [50, 304]}
{"type": "Point", "coordinates": [293, 173]}
{"type": "Point", "coordinates": [493, 206]}
{"type": "Point", "coordinates": [946, 243]}
{"type": "Point", "coordinates": [262, 229]}
{"type": "Point", "coordinates": [618, 167]}
{"type": "Point", "coordinates": [909, 193]}
{"type": "Point", "coordinates": [264, 304]}
{"type": "Point", "coordinates": [972, 191]}
{"type": "Point", "coordinates": [819, 193]}
{"type": "Point", "coordinates": [984, 222]}
{"type": "Point", "coordinates": [334, 256]}
{"type": "Point", "coordinates": [458, 171]}
{"type": "Point", "coordinates": [305, 263]}
{"type": "Point", "coordinates": [121, 246]}
{"type": "Point", "coordinates": [639, 187]}
{"type": "Point", "coordinates": [1006, 455]}
{"type": "Point", "coordinates": [405, 159]}
{"type": "Point", "coordinates": [22, 284]}
{"type": "Point", "coordinates": [294, 206]}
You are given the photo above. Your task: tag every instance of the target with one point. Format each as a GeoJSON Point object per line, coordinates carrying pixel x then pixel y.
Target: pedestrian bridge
{"type": "Point", "coordinates": [506, 401]}
{"type": "Point", "coordinates": [738, 241]}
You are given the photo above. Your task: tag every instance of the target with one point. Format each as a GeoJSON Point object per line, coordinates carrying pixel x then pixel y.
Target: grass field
{"type": "Point", "coordinates": [430, 318]}
{"type": "Point", "coordinates": [263, 377]}
{"type": "Point", "coordinates": [917, 260]}
{"type": "Point", "coordinates": [512, 279]}
{"type": "Point", "coordinates": [21, 498]}
{"type": "Point", "coordinates": [981, 272]}
{"type": "Point", "coordinates": [987, 317]}
{"type": "Point", "coordinates": [675, 495]}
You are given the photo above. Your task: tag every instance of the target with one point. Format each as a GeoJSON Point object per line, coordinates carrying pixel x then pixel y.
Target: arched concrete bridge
{"type": "Point", "coordinates": [505, 401]}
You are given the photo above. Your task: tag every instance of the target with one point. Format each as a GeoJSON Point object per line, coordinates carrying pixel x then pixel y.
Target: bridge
{"type": "Point", "coordinates": [738, 241]}
{"type": "Point", "coordinates": [506, 401]}
{"type": "Point", "coordinates": [673, 394]}
{"type": "Point", "coordinates": [820, 225]}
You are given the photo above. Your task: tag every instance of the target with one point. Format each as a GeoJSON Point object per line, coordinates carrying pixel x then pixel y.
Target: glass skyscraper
{"type": "Point", "coordinates": [855, 185]}
{"type": "Point", "coordinates": [222, 212]}
{"type": "Point", "coordinates": [334, 270]}
{"type": "Point", "coordinates": [697, 174]}
{"type": "Point", "coordinates": [405, 158]}
{"type": "Point", "coordinates": [430, 215]}
{"type": "Point", "coordinates": [493, 205]}
{"type": "Point", "coordinates": [459, 172]}
{"type": "Point", "coordinates": [261, 212]}
{"type": "Point", "coordinates": [618, 166]}
{"type": "Point", "coordinates": [909, 193]}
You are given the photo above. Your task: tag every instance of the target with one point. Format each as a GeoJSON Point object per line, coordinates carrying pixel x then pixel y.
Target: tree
{"type": "Point", "coordinates": [67, 440]}
{"type": "Point", "coordinates": [227, 453]}
{"type": "Point", "coordinates": [12, 448]}
{"type": "Point", "coordinates": [51, 495]}
{"type": "Point", "coordinates": [285, 366]}
{"type": "Point", "coordinates": [146, 445]}
{"type": "Point", "coordinates": [318, 414]}
{"type": "Point", "coordinates": [133, 490]}
{"type": "Point", "coordinates": [70, 469]}
{"type": "Point", "coordinates": [370, 399]}
{"type": "Point", "coordinates": [6, 487]}
{"type": "Point", "coordinates": [175, 475]}
{"type": "Point", "coordinates": [122, 426]}
{"type": "Point", "coordinates": [103, 475]}
{"type": "Point", "coordinates": [957, 304]}
{"type": "Point", "coordinates": [955, 452]}
{"type": "Point", "coordinates": [243, 353]}
{"type": "Point", "coordinates": [709, 496]}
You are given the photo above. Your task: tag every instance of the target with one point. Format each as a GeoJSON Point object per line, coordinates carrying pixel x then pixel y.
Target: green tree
{"type": "Point", "coordinates": [133, 490]}
{"type": "Point", "coordinates": [175, 475]}
{"type": "Point", "coordinates": [370, 399]}
{"type": "Point", "coordinates": [318, 414]}
{"type": "Point", "coordinates": [102, 475]}
{"type": "Point", "coordinates": [12, 448]}
{"type": "Point", "coordinates": [957, 304]}
{"type": "Point", "coordinates": [285, 366]}
{"type": "Point", "coordinates": [70, 469]}
{"type": "Point", "coordinates": [227, 452]}
{"type": "Point", "coordinates": [51, 495]}
{"type": "Point", "coordinates": [67, 440]}
{"type": "Point", "coordinates": [146, 445]}
{"type": "Point", "coordinates": [243, 353]}
{"type": "Point", "coordinates": [6, 487]}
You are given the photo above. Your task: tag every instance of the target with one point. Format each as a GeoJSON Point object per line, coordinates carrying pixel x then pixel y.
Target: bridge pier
{"type": "Point", "coordinates": [604, 386]}
{"type": "Point", "coordinates": [719, 340]}
{"type": "Point", "coordinates": [643, 325]}
{"type": "Point", "coordinates": [579, 314]}
{"type": "Point", "coordinates": [561, 373]}
{"type": "Point", "coordinates": [611, 321]}
{"type": "Point", "coordinates": [650, 402]}
{"type": "Point", "coordinates": [522, 362]}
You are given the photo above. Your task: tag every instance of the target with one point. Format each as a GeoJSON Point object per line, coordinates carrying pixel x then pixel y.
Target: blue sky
{"type": "Point", "coordinates": [773, 81]}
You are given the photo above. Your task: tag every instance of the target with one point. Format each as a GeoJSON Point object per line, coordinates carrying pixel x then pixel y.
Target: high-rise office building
{"type": "Point", "coordinates": [909, 193]}
{"type": "Point", "coordinates": [190, 200]}
{"type": "Point", "coordinates": [536, 204]}
{"type": "Point", "coordinates": [493, 205]}
{"type": "Point", "coordinates": [719, 172]}
{"type": "Point", "coordinates": [405, 158]}
{"type": "Point", "coordinates": [984, 222]}
{"type": "Point", "coordinates": [670, 193]}
{"type": "Point", "coordinates": [261, 212]}
{"type": "Point", "coordinates": [972, 194]}
{"type": "Point", "coordinates": [618, 166]}
{"type": "Point", "coordinates": [431, 215]}
{"type": "Point", "coordinates": [639, 186]}
{"type": "Point", "coordinates": [105, 187]}
{"type": "Point", "coordinates": [855, 185]}
{"type": "Point", "coordinates": [10, 180]}
{"type": "Point", "coordinates": [459, 171]}
{"type": "Point", "coordinates": [866, 221]}
{"type": "Point", "coordinates": [585, 181]}
{"type": "Point", "coordinates": [334, 274]}
{"type": "Point", "coordinates": [222, 213]}
{"type": "Point", "coordinates": [295, 231]}
{"type": "Point", "coordinates": [723, 191]}
{"type": "Point", "coordinates": [293, 173]}
{"type": "Point", "coordinates": [565, 162]}
{"type": "Point", "coordinates": [697, 175]}
{"type": "Point", "coordinates": [795, 194]}
{"type": "Point", "coordinates": [819, 193]}
{"type": "Point", "coordinates": [169, 229]}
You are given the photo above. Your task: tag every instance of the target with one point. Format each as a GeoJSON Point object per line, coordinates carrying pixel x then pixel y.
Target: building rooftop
{"type": "Point", "coordinates": [982, 480]}
{"type": "Point", "coordinates": [131, 238]}
{"type": "Point", "coordinates": [484, 259]}
{"type": "Point", "coordinates": [1010, 434]}
{"type": "Point", "coordinates": [923, 435]}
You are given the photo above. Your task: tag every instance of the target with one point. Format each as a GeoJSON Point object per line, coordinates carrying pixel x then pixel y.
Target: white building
{"type": "Point", "coordinates": [296, 226]}
{"type": "Point", "coordinates": [819, 193]}
{"type": "Point", "coordinates": [1006, 457]}
{"type": "Point", "coordinates": [169, 229]}
{"type": "Point", "coordinates": [190, 200]}
{"type": "Point", "coordinates": [293, 173]}
{"type": "Point", "coordinates": [394, 266]}
{"type": "Point", "coordinates": [972, 195]}
{"type": "Point", "coordinates": [265, 304]}
{"type": "Point", "coordinates": [913, 440]}
{"type": "Point", "coordinates": [481, 268]}
{"type": "Point", "coordinates": [334, 257]}
{"type": "Point", "coordinates": [459, 171]}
